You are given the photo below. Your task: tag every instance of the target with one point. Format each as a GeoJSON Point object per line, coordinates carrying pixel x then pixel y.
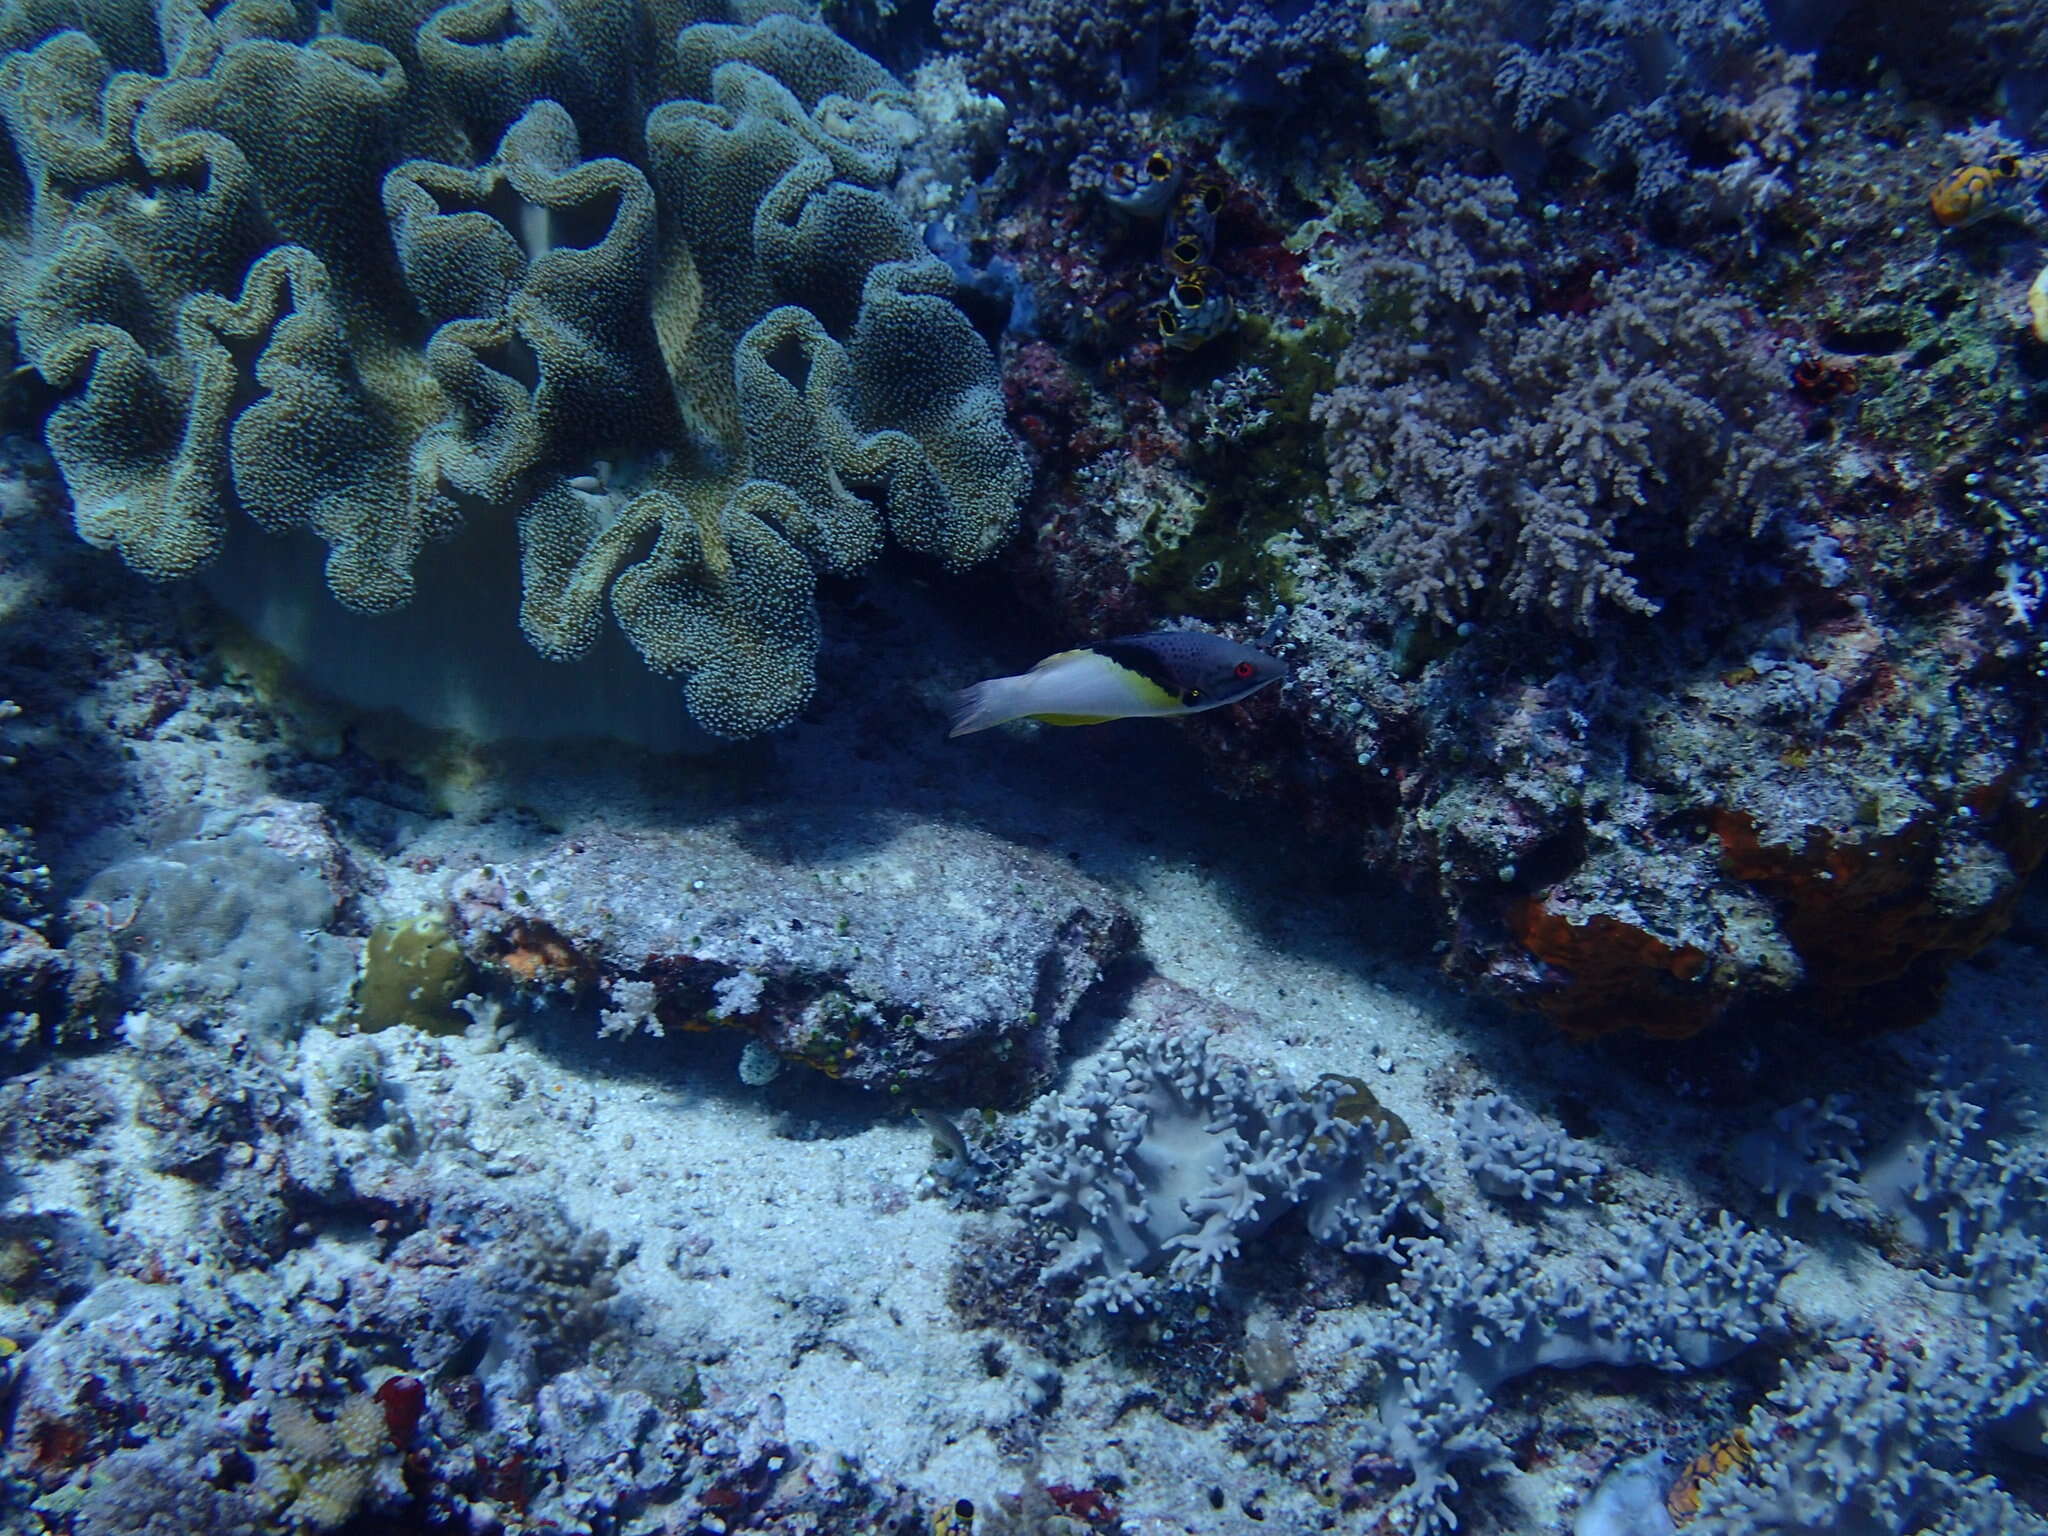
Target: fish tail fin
{"type": "Point", "coordinates": [985, 704]}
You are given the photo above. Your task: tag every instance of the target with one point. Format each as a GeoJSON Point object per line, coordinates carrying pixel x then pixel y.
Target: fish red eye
{"type": "Point", "coordinates": [1243, 669]}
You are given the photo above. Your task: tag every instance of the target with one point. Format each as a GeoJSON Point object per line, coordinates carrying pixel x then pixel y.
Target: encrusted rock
{"type": "Point", "coordinates": [929, 961]}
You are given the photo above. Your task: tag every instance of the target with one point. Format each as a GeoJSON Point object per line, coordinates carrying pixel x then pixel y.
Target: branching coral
{"type": "Point", "coordinates": [1687, 99]}
{"type": "Point", "coordinates": [1492, 455]}
{"type": "Point", "coordinates": [1071, 72]}
{"type": "Point", "coordinates": [1864, 1443]}
{"type": "Point", "coordinates": [1625, 81]}
{"type": "Point", "coordinates": [737, 324]}
{"type": "Point", "coordinates": [1514, 1155]}
{"type": "Point", "coordinates": [1464, 1319]}
{"type": "Point", "coordinates": [1809, 1152]}
{"type": "Point", "coordinates": [1879, 1435]}
{"type": "Point", "coordinates": [1257, 43]}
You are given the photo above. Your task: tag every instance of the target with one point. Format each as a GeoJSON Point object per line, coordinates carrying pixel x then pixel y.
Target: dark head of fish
{"type": "Point", "coordinates": [1201, 670]}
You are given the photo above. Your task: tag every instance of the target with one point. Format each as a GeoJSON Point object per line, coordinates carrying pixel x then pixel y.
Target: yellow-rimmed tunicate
{"type": "Point", "coordinates": [1143, 187]}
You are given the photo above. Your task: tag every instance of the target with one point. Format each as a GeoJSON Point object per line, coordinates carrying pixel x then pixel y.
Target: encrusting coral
{"type": "Point", "coordinates": [640, 300]}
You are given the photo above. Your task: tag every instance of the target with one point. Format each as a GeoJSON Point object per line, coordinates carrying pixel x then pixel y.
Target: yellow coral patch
{"type": "Point", "coordinates": [1731, 1452]}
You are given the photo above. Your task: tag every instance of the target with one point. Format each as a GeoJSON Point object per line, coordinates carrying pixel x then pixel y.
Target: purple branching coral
{"type": "Point", "coordinates": [1465, 1318]}
{"type": "Point", "coordinates": [1638, 90]}
{"type": "Point", "coordinates": [1514, 1154]}
{"type": "Point", "coordinates": [1864, 1441]}
{"type": "Point", "coordinates": [1885, 1432]}
{"type": "Point", "coordinates": [1072, 71]}
{"type": "Point", "coordinates": [1165, 1163]}
{"type": "Point", "coordinates": [1056, 64]}
{"type": "Point", "coordinates": [1491, 455]}
{"type": "Point", "coordinates": [1623, 82]}
{"type": "Point", "coordinates": [1280, 43]}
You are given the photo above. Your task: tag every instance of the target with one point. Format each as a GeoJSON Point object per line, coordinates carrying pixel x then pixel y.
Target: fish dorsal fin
{"type": "Point", "coordinates": [1056, 658]}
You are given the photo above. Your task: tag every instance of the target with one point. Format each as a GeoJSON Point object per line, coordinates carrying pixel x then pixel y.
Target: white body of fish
{"type": "Point", "coordinates": [1073, 684]}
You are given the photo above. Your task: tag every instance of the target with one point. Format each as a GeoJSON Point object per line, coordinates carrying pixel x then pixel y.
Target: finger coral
{"type": "Point", "coordinates": [1465, 1319]}
{"type": "Point", "coordinates": [640, 303]}
{"type": "Point", "coordinates": [1865, 1441]}
{"type": "Point", "coordinates": [1166, 1162]}
{"type": "Point", "coordinates": [1514, 1154]}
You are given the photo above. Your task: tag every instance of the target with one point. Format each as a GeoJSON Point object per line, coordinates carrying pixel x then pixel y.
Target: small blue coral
{"type": "Point", "coordinates": [1514, 1155]}
{"type": "Point", "coordinates": [1160, 1165]}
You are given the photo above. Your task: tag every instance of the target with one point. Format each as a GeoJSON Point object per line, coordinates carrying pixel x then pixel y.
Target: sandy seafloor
{"type": "Point", "coordinates": [788, 1240]}
{"type": "Point", "coordinates": [896, 1379]}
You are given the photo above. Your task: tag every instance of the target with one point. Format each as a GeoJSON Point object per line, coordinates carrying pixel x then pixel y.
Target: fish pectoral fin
{"type": "Point", "coordinates": [1076, 719]}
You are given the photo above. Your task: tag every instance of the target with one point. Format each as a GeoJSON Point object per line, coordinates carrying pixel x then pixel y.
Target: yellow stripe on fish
{"type": "Point", "coordinates": [1174, 672]}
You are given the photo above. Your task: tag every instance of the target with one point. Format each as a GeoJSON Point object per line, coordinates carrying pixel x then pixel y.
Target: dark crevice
{"type": "Point", "coordinates": [500, 26]}
{"type": "Point", "coordinates": [1864, 341]}
{"type": "Point", "coordinates": [515, 359]}
{"type": "Point", "coordinates": [585, 224]}
{"type": "Point", "coordinates": [792, 359]}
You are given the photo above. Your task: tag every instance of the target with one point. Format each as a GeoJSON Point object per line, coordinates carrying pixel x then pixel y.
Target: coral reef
{"type": "Point", "coordinates": [233, 911]}
{"type": "Point", "coordinates": [1769, 765]}
{"type": "Point", "coordinates": [1862, 1441]}
{"type": "Point", "coordinates": [1697, 110]}
{"type": "Point", "coordinates": [1145, 1184]}
{"type": "Point", "coordinates": [1625, 421]}
{"type": "Point", "coordinates": [55, 1113]}
{"type": "Point", "coordinates": [1630, 87]}
{"type": "Point", "coordinates": [413, 973]}
{"type": "Point", "coordinates": [1463, 1320]}
{"type": "Point", "coordinates": [1808, 1153]}
{"type": "Point", "coordinates": [687, 384]}
{"type": "Point", "coordinates": [1898, 1430]}
{"type": "Point", "coordinates": [1258, 48]}
{"type": "Point", "coordinates": [1481, 463]}
{"type": "Point", "coordinates": [1057, 66]}
{"type": "Point", "coordinates": [268, 1373]}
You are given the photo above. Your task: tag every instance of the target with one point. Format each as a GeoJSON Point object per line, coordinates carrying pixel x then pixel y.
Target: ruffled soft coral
{"type": "Point", "coordinates": [736, 316]}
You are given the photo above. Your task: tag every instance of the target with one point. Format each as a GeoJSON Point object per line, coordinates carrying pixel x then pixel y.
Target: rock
{"type": "Point", "coordinates": [929, 961]}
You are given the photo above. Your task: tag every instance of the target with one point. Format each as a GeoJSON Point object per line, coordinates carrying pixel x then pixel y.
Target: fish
{"type": "Point", "coordinates": [1974, 192]}
{"type": "Point", "coordinates": [1172, 672]}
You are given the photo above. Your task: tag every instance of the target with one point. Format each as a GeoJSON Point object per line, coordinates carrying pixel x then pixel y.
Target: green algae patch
{"type": "Point", "coordinates": [1219, 559]}
{"type": "Point", "coordinates": [412, 973]}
